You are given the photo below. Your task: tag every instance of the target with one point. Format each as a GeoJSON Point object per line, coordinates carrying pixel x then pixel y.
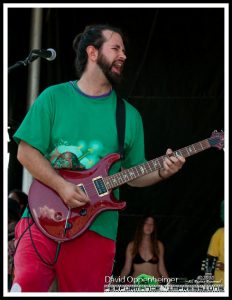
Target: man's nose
{"type": "Point", "coordinates": [122, 55]}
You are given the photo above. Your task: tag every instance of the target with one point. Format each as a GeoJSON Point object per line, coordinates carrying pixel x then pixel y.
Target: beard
{"type": "Point", "coordinates": [113, 77]}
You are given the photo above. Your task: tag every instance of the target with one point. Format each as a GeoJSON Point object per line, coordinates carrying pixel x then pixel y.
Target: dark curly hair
{"type": "Point", "coordinates": [92, 35]}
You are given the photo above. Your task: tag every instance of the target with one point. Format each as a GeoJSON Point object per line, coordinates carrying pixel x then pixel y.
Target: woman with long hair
{"type": "Point", "coordinates": [145, 254]}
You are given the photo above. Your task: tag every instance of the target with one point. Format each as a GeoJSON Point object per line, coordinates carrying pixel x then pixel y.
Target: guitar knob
{"type": "Point", "coordinates": [83, 212]}
{"type": "Point", "coordinates": [58, 216]}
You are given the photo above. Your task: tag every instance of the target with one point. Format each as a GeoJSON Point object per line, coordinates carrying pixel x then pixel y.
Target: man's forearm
{"type": "Point", "coordinates": [171, 165]}
{"type": "Point", "coordinates": [39, 167]}
{"type": "Point", "coordinates": [146, 180]}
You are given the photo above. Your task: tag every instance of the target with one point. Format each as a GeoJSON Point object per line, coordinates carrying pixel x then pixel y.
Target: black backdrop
{"type": "Point", "coordinates": [175, 77]}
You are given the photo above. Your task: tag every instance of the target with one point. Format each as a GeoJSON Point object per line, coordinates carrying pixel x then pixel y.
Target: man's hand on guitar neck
{"type": "Point", "coordinates": [172, 164]}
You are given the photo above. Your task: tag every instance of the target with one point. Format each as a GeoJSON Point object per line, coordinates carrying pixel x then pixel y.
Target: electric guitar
{"type": "Point", "coordinates": [61, 223]}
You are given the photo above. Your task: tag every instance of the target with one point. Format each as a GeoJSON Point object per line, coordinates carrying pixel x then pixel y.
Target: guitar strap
{"type": "Point", "coordinates": [121, 124]}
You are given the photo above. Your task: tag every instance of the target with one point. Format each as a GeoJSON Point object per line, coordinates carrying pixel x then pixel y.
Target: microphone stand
{"type": "Point", "coordinates": [25, 62]}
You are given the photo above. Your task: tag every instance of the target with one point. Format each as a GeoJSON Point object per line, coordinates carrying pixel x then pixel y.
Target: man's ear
{"type": "Point", "coordinates": [92, 52]}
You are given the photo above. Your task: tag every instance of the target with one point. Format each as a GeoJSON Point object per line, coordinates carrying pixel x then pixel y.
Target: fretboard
{"type": "Point", "coordinates": [130, 174]}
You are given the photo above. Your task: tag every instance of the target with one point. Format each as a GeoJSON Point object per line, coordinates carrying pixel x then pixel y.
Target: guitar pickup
{"type": "Point", "coordinates": [100, 186]}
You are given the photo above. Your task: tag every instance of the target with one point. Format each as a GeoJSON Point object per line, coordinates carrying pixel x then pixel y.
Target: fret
{"type": "Point", "coordinates": [201, 145]}
{"type": "Point", "coordinates": [206, 143]}
{"type": "Point", "coordinates": [151, 170]}
{"type": "Point", "coordinates": [150, 166]}
{"type": "Point", "coordinates": [118, 176]}
{"type": "Point", "coordinates": [195, 148]}
{"type": "Point", "coordinates": [126, 175]}
{"type": "Point", "coordinates": [114, 180]}
{"type": "Point", "coordinates": [138, 170]}
{"type": "Point", "coordinates": [107, 181]}
{"type": "Point", "coordinates": [154, 164]}
{"type": "Point", "coordinates": [132, 174]}
{"type": "Point", "coordinates": [142, 170]}
{"type": "Point", "coordinates": [187, 151]}
{"type": "Point", "coordinates": [198, 147]}
{"type": "Point", "coordinates": [190, 150]}
{"type": "Point", "coordinates": [123, 177]}
{"type": "Point", "coordinates": [162, 157]}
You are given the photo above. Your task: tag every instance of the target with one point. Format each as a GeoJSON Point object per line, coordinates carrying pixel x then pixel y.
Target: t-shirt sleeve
{"type": "Point", "coordinates": [36, 127]}
{"type": "Point", "coordinates": [134, 152]}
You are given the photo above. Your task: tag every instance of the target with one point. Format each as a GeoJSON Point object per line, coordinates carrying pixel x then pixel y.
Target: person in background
{"type": "Point", "coordinates": [13, 218]}
{"type": "Point", "coordinates": [145, 254]}
{"type": "Point", "coordinates": [20, 197]}
{"type": "Point", "coordinates": [216, 250]}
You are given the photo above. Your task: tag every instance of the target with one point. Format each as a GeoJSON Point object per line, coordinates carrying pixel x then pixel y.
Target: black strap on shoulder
{"type": "Point", "coordinates": [121, 124]}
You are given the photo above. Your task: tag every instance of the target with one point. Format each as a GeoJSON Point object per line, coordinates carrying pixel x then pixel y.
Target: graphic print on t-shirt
{"type": "Point", "coordinates": [75, 157]}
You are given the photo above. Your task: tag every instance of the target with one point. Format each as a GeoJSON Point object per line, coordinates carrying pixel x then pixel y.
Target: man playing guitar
{"type": "Point", "coordinates": [71, 126]}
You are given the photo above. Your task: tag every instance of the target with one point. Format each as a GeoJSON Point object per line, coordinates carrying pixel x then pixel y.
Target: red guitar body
{"type": "Point", "coordinates": [55, 219]}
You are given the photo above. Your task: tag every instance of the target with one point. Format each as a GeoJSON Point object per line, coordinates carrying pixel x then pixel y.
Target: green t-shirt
{"type": "Point", "coordinates": [74, 130]}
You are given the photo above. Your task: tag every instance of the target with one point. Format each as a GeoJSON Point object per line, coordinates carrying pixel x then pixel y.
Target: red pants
{"type": "Point", "coordinates": [82, 265]}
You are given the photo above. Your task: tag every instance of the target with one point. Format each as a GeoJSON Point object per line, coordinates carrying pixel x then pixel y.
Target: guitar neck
{"type": "Point", "coordinates": [130, 174]}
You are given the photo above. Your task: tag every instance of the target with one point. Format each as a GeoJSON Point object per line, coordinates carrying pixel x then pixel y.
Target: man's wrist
{"type": "Point", "coordinates": [162, 177]}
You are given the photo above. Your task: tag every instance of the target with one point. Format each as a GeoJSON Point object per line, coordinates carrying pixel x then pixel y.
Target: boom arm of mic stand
{"type": "Point", "coordinates": [25, 62]}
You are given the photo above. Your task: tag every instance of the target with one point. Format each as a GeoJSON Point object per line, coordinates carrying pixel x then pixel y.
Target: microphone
{"type": "Point", "coordinates": [49, 54]}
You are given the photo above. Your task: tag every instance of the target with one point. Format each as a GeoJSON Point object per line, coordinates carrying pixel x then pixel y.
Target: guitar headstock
{"type": "Point", "coordinates": [217, 139]}
{"type": "Point", "coordinates": [208, 265]}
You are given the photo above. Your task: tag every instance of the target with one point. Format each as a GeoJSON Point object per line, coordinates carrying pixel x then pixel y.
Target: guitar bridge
{"type": "Point", "coordinates": [100, 186]}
